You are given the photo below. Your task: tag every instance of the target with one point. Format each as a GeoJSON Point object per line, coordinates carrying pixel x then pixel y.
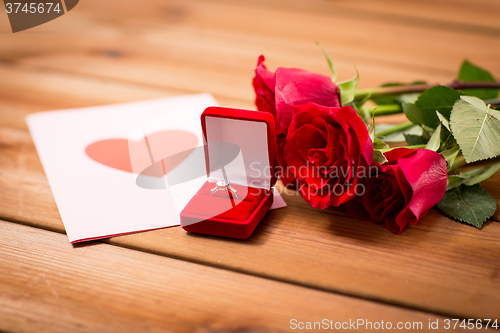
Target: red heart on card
{"type": "Point", "coordinates": [115, 153]}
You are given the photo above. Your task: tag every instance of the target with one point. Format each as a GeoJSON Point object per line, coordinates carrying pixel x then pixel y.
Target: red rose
{"type": "Point", "coordinates": [287, 178]}
{"type": "Point", "coordinates": [263, 84]}
{"type": "Point", "coordinates": [278, 93]}
{"type": "Point", "coordinates": [405, 189]}
{"type": "Point", "coordinates": [327, 150]}
{"type": "Point", "coordinates": [296, 87]}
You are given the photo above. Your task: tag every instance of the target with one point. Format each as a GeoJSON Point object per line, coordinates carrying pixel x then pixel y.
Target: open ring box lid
{"type": "Point", "coordinates": [240, 148]}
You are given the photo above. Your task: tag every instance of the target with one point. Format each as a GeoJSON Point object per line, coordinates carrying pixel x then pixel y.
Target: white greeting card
{"type": "Point", "coordinates": [92, 156]}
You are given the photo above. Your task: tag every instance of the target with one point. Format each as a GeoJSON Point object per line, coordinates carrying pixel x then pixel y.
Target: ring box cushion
{"type": "Point", "coordinates": [221, 213]}
{"type": "Point", "coordinates": [223, 205]}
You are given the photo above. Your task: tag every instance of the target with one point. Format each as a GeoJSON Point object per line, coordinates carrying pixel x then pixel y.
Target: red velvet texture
{"type": "Point", "coordinates": [223, 204]}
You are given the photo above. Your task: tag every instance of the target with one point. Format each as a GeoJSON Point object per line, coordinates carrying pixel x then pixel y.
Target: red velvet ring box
{"type": "Point", "coordinates": [250, 170]}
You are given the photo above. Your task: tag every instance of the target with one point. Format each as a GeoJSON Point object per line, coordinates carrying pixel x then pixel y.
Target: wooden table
{"type": "Point", "coordinates": [301, 263]}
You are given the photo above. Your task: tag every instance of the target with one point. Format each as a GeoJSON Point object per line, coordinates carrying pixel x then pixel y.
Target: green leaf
{"type": "Point", "coordinates": [438, 98]}
{"type": "Point", "coordinates": [363, 112]}
{"type": "Point", "coordinates": [371, 132]}
{"type": "Point", "coordinates": [443, 121]}
{"type": "Point", "coordinates": [428, 130]}
{"type": "Point", "coordinates": [446, 137]}
{"type": "Point", "coordinates": [476, 128]}
{"type": "Point", "coordinates": [454, 181]}
{"type": "Point", "coordinates": [475, 176]}
{"type": "Point", "coordinates": [347, 89]}
{"type": "Point", "coordinates": [393, 84]}
{"type": "Point", "coordinates": [407, 98]}
{"type": "Point", "coordinates": [470, 72]}
{"type": "Point", "coordinates": [379, 157]}
{"type": "Point", "coordinates": [364, 100]}
{"type": "Point", "coordinates": [413, 139]}
{"type": "Point", "coordinates": [435, 140]}
{"type": "Point", "coordinates": [413, 113]}
{"type": "Point", "coordinates": [470, 204]}
{"type": "Point", "coordinates": [394, 133]}
{"type": "Point", "coordinates": [472, 177]}
{"type": "Point", "coordinates": [379, 144]}
{"type": "Point", "coordinates": [384, 100]}
{"type": "Point", "coordinates": [330, 63]}
{"type": "Point", "coordinates": [450, 155]}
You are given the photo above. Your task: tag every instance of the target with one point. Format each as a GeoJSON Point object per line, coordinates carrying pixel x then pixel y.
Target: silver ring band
{"type": "Point", "coordinates": [222, 186]}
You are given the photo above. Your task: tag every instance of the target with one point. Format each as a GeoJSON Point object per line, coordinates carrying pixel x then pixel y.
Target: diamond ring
{"type": "Point", "coordinates": [223, 186]}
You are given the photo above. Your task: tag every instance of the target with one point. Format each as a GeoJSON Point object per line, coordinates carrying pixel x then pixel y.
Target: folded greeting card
{"type": "Point", "coordinates": [94, 159]}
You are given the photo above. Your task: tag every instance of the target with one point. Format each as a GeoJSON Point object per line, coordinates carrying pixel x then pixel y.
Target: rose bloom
{"type": "Point", "coordinates": [406, 187]}
{"type": "Point", "coordinates": [279, 92]}
{"type": "Point", "coordinates": [327, 150]}
{"type": "Point", "coordinates": [263, 84]}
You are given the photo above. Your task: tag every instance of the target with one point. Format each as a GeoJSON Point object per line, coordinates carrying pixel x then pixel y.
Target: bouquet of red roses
{"type": "Point", "coordinates": [329, 151]}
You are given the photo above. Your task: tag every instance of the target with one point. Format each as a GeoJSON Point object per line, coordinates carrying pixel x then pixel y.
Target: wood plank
{"type": "Point", "coordinates": [438, 265]}
{"type": "Point", "coordinates": [13, 112]}
{"type": "Point", "coordinates": [36, 207]}
{"type": "Point", "coordinates": [194, 74]}
{"type": "Point", "coordinates": [480, 13]}
{"type": "Point", "coordinates": [387, 43]}
{"type": "Point", "coordinates": [479, 17]}
{"type": "Point", "coordinates": [47, 285]}
{"type": "Point", "coordinates": [172, 75]}
{"type": "Point", "coordinates": [174, 58]}
{"type": "Point", "coordinates": [43, 88]}
{"type": "Point", "coordinates": [170, 58]}
{"type": "Point", "coordinates": [282, 35]}
{"type": "Point", "coordinates": [24, 90]}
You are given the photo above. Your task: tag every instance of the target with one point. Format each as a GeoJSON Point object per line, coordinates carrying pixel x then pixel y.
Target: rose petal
{"type": "Point", "coordinates": [426, 172]}
{"type": "Point", "coordinates": [393, 155]}
{"type": "Point", "coordinates": [284, 173]}
{"type": "Point", "coordinates": [359, 132]}
{"type": "Point", "coordinates": [292, 155]}
{"type": "Point", "coordinates": [265, 75]}
{"type": "Point", "coordinates": [317, 156]}
{"type": "Point", "coordinates": [344, 194]}
{"type": "Point", "coordinates": [296, 87]}
{"type": "Point", "coordinates": [313, 177]}
{"type": "Point", "coordinates": [308, 137]}
{"type": "Point", "coordinates": [264, 85]}
{"type": "Point", "coordinates": [391, 225]}
{"type": "Point", "coordinates": [355, 209]}
{"type": "Point", "coordinates": [316, 198]}
{"type": "Point", "coordinates": [331, 144]}
{"type": "Point", "coordinates": [300, 119]}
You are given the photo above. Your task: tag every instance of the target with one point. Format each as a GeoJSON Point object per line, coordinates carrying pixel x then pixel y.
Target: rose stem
{"type": "Point", "coordinates": [395, 129]}
{"type": "Point", "coordinates": [385, 150]}
{"type": "Point", "coordinates": [384, 110]}
{"type": "Point", "coordinates": [398, 90]}
{"type": "Point", "coordinates": [495, 101]}
{"type": "Point", "coordinates": [388, 109]}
